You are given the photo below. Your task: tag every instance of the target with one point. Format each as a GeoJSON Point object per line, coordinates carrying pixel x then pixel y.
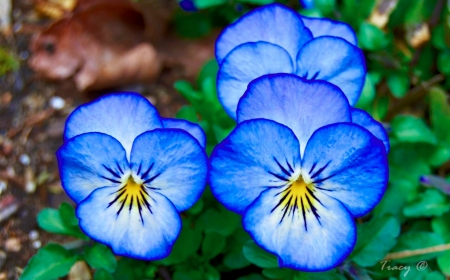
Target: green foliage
{"type": "Point", "coordinates": [52, 261]}
{"type": "Point", "coordinates": [100, 257]}
{"type": "Point", "coordinates": [7, 62]}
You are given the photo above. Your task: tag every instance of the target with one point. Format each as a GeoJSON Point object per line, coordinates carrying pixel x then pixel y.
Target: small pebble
{"type": "Point", "coordinates": [3, 186]}
{"type": "Point", "coordinates": [24, 159]}
{"type": "Point", "coordinates": [37, 244]}
{"type": "Point", "coordinates": [57, 103]}
{"type": "Point", "coordinates": [13, 244]}
{"type": "Point", "coordinates": [33, 235]}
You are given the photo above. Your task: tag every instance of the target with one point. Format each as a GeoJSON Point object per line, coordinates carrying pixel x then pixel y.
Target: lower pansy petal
{"type": "Point", "coordinates": [257, 155]}
{"type": "Point", "coordinates": [334, 60]}
{"type": "Point", "coordinates": [90, 161]}
{"type": "Point", "coordinates": [246, 63]}
{"type": "Point", "coordinates": [328, 27]}
{"type": "Point", "coordinates": [307, 231]}
{"type": "Point", "coordinates": [122, 115]}
{"type": "Point", "coordinates": [193, 129]}
{"type": "Point", "coordinates": [348, 163]}
{"type": "Point", "coordinates": [301, 105]}
{"type": "Point", "coordinates": [365, 120]}
{"type": "Point", "coordinates": [143, 226]}
{"type": "Point", "coordinates": [171, 162]}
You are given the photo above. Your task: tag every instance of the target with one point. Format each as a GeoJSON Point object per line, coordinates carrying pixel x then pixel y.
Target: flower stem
{"type": "Point", "coordinates": [417, 252]}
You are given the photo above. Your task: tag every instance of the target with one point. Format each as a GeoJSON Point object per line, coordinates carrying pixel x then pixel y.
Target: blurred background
{"type": "Point", "coordinates": [58, 54]}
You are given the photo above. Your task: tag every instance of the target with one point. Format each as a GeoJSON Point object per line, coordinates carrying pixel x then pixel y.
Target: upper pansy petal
{"type": "Point", "coordinates": [301, 105]}
{"type": "Point", "coordinates": [314, 234]}
{"type": "Point", "coordinates": [193, 129]}
{"type": "Point", "coordinates": [348, 163]}
{"type": "Point", "coordinates": [146, 230]}
{"type": "Point", "coordinates": [334, 60]}
{"type": "Point", "coordinates": [244, 64]}
{"type": "Point", "coordinates": [258, 154]}
{"type": "Point", "coordinates": [123, 116]}
{"type": "Point", "coordinates": [274, 23]}
{"type": "Point", "coordinates": [90, 161]}
{"type": "Point", "coordinates": [365, 120]}
{"type": "Point", "coordinates": [170, 162]}
{"type": "Point", "coordinates": [328, 27]}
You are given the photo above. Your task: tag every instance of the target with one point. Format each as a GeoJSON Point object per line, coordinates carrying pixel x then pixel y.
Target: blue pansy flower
{"type": "Point", "coordinates": [307, 4]}
{"type": "Point", "coordinates": [275, 39]}
{"type": "Point", "coordinates": [299, 170]}
{"type": "Point", "coordinates": [131, 173]}
{"type": "Point", "coordinates": [188, 5]}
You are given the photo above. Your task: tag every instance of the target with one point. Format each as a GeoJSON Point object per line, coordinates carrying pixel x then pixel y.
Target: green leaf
{"type": "Point", "coordinates": [443, 262]}
{"type": "Point", "coordinates": [102, 274]}
{"type": "Point", "coordinates": [367, 95]}
{"type": "Point", "coordinates": [130, 269]}
{"type": "Point", "coordinates": [412, 129]}
{"type": "Point", "coordinates": [186, 245]}
{"type": "Point", "coordinates": [252, 276]}
{"type": "Point", "coordinates": [371, 37]}
{"type": "Point", "coordinates": [431, 203]}
{"type": "Point", "coordinates": [278, 273]}
{"type": "Point", "coordinates": [443, 62]}
{"type": "Point", "coordinates": [440, 114]}
{"type": "Point", "coordinates": [375, 239]}
{"type": "Point", "coordinates": [331, 275]}
{"type": "Point", "coordinates": [393, 203]}
{"type": "Point", "coordinates": [62, 221]}
{"type": "Point", "coordinates": [437, 37]}
{"type": "Point", "coordinates": [441, 226]}
{"type": "Point", "coordinates": [203, 4]}
{"type": "Point", "coordinates": [212, 245]}
{"type": "Point", "coordinates": [223, 221]}
{"type": "Point", "coordinates": [235, 260]}
{"type": "Point", "coordinates": [326, 7]}
{"type": "Point", "coordinates": [187, 113]}
{"type": "Point", "coordinates": [51, 262]}
{"type": "Point", "coordinates": [257, 2]}
{"type": "Point", "coordinates": [259, 256]}
{"type": "Point", "coordinates": [418, 240]}
{"type": "Point", "coordinates": [398, 84]}
{"type": "Point", "coordinates": [100, 256]}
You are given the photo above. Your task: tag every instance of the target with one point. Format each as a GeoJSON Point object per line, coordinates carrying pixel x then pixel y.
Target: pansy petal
{"type": "Point", "coordinates": [301, 105]}
{"type": "Point", "coordinates": [146, 232]}
{"type": "Point", "coordinates": [328, 27]}
{"type": "Point", "coordinates": [275, 23]}
{"type": "Point", "coordinates": [365, 120]}
{"type": "Point", "coordinates": [244, 64]}
{"type": "Point", "coordinates": [348, 163]}
{"type": "Point", "coordinates": [90, 161]}
{"type": "Point", "coordinates": [334, 60]}
{"type": "Point", "coordinates": [258, 154]}
{"type": "Point", "coordinates": [308, 237]}
{"type": "Point", "coordinates": [193, 129]}
{"type": "Point", "coordinates": [171, 162]}
{"type": "Point", "coordinates": [123, 116]}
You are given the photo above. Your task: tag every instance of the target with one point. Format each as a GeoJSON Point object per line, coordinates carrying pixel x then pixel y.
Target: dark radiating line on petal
{"type": "Point", "coordinates": [122, 204]}
{"type": "Point", "coordinates": [282, 168]}
{"type": "Point", "coordinates": [295, 207]}
{"type": "Point", "coordinates": [111, 171]}
{"type": "Point", "coordinates": [320, 170]}
{"type": "Point", "coordinates": [131, 203]}
{"type": "Point", "coordinates": [143, 189]}
{"type": "Point", "coordinates": [286, 208]}
{"type": "Point", "coordinates": [144, 175]}
{"type": "Point", "coordinates": [121, 188]}
{"type": "Point", "coordinates": [289, 166]}
{"type": "Point", "coordinates": [281, 201]}
{"type": "Point", "coordinates": [139, 168]}
{"type": "Point", "coordinates": [305, 76]}
{"type": "Point", "coordinates": [140, 210]}
{"type": "Point", "coordinates": [304, 214]}
{"type": "Point", "coordinates": [322, 189]}
{"type": "Point", "coordinates": [146, 203]}
{"type": "Point", "coordinates": [311, 193]}
{"type": "Point", "coordinates": [115, 199]}
{"type": "Point", "coordinates": [111, 180]}
{"type": "Point", "coordinates": [312, 167]}
{"type": "Point", "coordinates": [151, 179]}
{"type": "Point", "coordinates": [324, 179]}
{"type": "Point", "coordinates": [120, 169]}
{"type": "Point", "coordinates": [313, 209]}
{"type": "Point", "coordinates": [278, 176]}
{"type": "Point", "coordinates": [315, 75]}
